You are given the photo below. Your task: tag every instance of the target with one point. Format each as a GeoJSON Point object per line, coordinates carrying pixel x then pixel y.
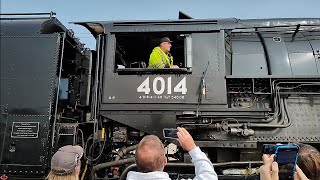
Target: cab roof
{"type": "Point", "coordinates": [105, 27]}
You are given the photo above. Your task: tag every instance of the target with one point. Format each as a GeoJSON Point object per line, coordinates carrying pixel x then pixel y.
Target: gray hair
{"type": "Point", "coordinates": [149, 155]}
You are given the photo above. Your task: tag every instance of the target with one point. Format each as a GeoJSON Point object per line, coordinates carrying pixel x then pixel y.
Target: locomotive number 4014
{"type": "Point", "coordinates": [144, 87]}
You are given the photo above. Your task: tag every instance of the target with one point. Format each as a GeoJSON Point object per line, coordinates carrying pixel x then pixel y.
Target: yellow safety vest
{"type": "Point", "coordinates": [159, 59]}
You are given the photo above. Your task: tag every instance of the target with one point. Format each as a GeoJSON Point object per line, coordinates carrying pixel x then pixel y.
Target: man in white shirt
{"type": "Point", "coordinates": [151, 160]}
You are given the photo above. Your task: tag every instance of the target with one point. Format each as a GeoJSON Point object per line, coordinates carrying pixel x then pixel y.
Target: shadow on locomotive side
{"type": "Point", "coordinates": [241, 83]}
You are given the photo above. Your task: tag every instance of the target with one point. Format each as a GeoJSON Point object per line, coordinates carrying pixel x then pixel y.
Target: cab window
{"type": "Point", "coordinates": [132, 52]}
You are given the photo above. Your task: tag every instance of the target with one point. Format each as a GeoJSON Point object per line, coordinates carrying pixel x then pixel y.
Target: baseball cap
{"type": "Point", "coordinates": [165, 39]}
{"type": "Point", "coordinates": [65, 160]}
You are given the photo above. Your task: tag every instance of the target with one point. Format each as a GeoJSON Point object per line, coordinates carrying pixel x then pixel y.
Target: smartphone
{"type": "Point", "coordinates": [286, 156]}
{"type": "Point", "coordinates": [170, 133]}
{"type": "Point", "coordinates": [269, 148]}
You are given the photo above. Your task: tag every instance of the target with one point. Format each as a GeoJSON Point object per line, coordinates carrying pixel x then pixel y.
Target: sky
{"type": "Point", "coordinates": [108, 10]}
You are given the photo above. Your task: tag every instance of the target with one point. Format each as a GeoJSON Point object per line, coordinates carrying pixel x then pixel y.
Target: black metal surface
{"type": "Point", "coordinates": [246, 47]}
{"type": "Point", "coordinates": [30, 85]}
{"type": "Point", "coordinates": [27, 89]}
{"type": "Point", "coordinates": [227, 144]}
{"type": "Point", "coordinates": [150, 123]}
{"type": "Point", "coordinates": [183, 15]}
{"type": "Point", "coordinates": [31, 26]}
{"type": "Point", "coordinates": [33, 14]}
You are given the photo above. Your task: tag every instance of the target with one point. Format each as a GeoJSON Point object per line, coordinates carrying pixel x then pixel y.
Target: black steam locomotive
{"type": "Point", "coordinates": [241, 83]}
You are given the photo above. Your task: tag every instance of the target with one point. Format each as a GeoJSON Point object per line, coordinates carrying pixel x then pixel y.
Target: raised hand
{"type": "Point", "coordinates": [185, 139]}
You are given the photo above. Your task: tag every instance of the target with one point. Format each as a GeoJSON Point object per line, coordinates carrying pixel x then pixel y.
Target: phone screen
{"type": "Point", "coordinates": [286, 157]}
{"type": "Point", "coordinates": [170, 133]}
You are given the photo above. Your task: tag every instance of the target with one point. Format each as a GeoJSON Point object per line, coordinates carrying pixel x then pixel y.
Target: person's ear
{"type": "Point", "coordinates": [165, 161]}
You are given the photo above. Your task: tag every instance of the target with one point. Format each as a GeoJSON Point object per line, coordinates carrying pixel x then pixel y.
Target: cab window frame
{"type": "Point", "coordinates": [130, 61]}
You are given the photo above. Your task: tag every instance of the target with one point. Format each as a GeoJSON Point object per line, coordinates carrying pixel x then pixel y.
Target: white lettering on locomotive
{"type": "Point", "coordinates": [144, 87]}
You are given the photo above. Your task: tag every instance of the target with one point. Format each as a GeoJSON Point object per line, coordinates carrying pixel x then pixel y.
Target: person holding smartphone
{"type": "Point", "coordinates": [270, 169]}
{"type": "Point", "coordinates": [151, 160]}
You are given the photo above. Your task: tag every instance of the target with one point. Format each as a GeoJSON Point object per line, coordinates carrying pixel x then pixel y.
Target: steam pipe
{"type": "Point", "coordinates": [113, 163]}
{"type": "Point", "coordinates": [89, 80]}
{"type": "Point", "coordinates": [117, 160]}
{"type": "Point", "coordinates": [283, 106]}
{"type": "Point", "coordinates": [278, 125]}
{"type": "Point", "coordinates": [124, 151]}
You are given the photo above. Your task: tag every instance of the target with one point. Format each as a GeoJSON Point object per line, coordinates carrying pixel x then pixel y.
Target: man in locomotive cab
{"type": "Point", "coordinates": [161, 57]}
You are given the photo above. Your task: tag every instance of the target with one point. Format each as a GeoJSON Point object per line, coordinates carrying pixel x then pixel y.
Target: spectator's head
{"type": "Point", "coordinates": [65, 163]}
{"type": "Point", "coordinates": [165, 44]}
{"type": "Point", "coordinates": [309, 161]}
{"type": "Point", "coordinates": [150, 155]}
